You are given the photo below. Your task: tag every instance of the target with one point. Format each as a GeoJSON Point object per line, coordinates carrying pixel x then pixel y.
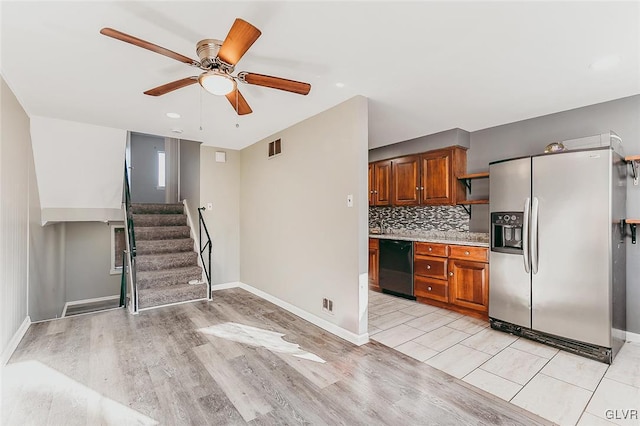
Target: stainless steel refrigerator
{"type": "Point", "coordinates": [557, 247]}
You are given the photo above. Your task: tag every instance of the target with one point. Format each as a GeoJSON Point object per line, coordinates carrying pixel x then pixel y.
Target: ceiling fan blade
{"type": "Point", "coordinates": [275, 82]}
{"type": "Point", "coordinates": [238, 102]}
{"type": "Point", "coordinates": [110, 32]}
{"type": "Point", "coordinates": [170, 87]}
{"type": "Point", "coordinates": [240, 38]}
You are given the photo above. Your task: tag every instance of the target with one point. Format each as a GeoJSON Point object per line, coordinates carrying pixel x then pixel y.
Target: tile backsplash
{"type": "Point", "coordinates": [420, 218]}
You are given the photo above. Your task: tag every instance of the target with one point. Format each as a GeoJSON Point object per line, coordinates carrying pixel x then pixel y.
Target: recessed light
{"type": "Point", "coordinates": [173, 115]}
{"type": "Point", "coordinates": [340, 85]}
{"type": "Point", "coordinates": [176, 130]}
{"type": "Point", "coordinates": [605, 63]}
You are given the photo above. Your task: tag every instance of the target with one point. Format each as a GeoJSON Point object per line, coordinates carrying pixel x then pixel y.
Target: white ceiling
{"type": "Point", "coordinates": [425, 66]}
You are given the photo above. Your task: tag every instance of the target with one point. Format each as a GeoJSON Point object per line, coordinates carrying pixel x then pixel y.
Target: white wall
{"type": "Point", "coordinates": [79, 167]}
{"type": "Point", "coordinates": [299, 241]}
{"type": "Point", "coordinates": [220, 185]}
{"type": "Point", "coordinates": [14, 213]}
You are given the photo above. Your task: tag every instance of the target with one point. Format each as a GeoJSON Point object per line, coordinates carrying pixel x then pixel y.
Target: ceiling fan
{"type": "Point", "coordinates": [218, 60]}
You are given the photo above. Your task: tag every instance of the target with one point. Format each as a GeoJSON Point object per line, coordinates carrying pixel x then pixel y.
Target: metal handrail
{"type": "Point", "coordinates": [123, 281]}
{"type": "Point", "coordinates": [207, 245]}
{"type": "Point", "coordinates": [131, 239]}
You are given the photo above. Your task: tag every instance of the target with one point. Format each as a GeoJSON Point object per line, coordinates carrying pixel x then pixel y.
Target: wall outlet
{"type": "Point", "coordinates": [327, 305]}
{"type": "Point", "coordinates": [209, 206]}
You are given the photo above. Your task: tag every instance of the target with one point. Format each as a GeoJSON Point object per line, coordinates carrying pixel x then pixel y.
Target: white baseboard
{"type": "Point", "coordinates": [633, 337]}
{"type": "Point", "coordinates": [225, 286]}
{"type": "Point", "coordinates": [307, 316]}
{"type": "Point", "coordinates": [83, 301]}
{"type": "Point", "coordinates": [15, 341]}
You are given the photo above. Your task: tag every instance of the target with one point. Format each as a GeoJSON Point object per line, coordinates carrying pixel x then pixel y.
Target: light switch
{"type": "Point", "coordinates": [209, 206]}
{"type": "Point", "coordinates": [350, 200]}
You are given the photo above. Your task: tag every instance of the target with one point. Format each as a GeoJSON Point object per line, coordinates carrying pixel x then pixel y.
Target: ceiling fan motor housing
{"type": "Point", "coordinates": [207, 51]}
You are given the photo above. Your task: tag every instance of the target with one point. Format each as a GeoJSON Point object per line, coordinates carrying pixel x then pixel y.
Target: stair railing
{"type": "Point", "coordinates": [131, 241]}
{"type": "Point", "coordinates": [203, 248]}
{"type": "Point", "coordinates": [123, 281]}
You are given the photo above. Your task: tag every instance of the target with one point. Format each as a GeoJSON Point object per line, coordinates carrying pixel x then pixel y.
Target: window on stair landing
{"type": "Point", "coordinates": [118, 245]}
{"type": "Point", "coordinates": [161, 170]}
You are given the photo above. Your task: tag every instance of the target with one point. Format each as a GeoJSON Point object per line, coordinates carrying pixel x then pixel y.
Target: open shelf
{"type": "Point", "coordinates": [634, 160]}
{"type": "Point", "coordinates": [469, 202]}
{"type": "Point", "coordinates": [466, 179]}
{"type": "Point", "coordinates": [633, 226]}
{"type": "Point", "coordinates": [474, 176]}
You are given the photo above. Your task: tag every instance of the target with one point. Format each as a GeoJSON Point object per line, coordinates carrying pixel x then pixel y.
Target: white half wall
{"type": "Point", "coordinates": [78, 166]}
{"type": "Point", "coordinates": [15, 158]}
{"type": "Point", "coordinates": [299, 241]}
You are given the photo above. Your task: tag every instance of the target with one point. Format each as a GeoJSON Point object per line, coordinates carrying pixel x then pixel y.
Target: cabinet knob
{"type": "Point", "coordinates": [450, 274]}
{"type": "Point", "coordinates": [430, 249]}
{"type": "Point", "coordinates": [428, 266]}
{"type": "Point", "coordinates": [422, 188]}
{"type": "Point", "coordinates": [417, 188]}
{"type": "Point", "coordinates": [429, 288]}
{"type": "Point", "coordinates": [467, 253]}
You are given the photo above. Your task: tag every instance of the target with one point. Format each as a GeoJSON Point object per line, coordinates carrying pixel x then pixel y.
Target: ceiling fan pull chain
{"type": "Point", "coordinates": [237, 107]}
{"type": "Point", "coordinates": [200, 109]}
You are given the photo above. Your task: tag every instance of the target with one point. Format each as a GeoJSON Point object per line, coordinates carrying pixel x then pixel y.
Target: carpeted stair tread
{"type": "Point", "coordinates": [179, 293]}
{"type": "Point", "coordinates": [142, 220]}
{"type": "Point", "coordinates": [155, 262]}
{"type": "Point", "coordinates": [161, 232]}
{"type": "Point", "coordinates": [164, 278]}
{"type": "Point", "coordinates": [142, 208]}
{"type": "Point", "coordinates": [176, 245]}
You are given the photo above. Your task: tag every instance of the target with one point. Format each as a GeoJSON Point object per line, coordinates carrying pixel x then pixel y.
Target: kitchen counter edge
{"type": "Point", "coordinates": [430, 240]}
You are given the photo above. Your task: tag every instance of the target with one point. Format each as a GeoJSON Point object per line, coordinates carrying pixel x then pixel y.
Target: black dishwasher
{"type": "Point", "coordinates": [396, 267]}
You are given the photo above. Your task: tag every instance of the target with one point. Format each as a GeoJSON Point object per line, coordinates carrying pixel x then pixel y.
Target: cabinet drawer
{"type": "Point", "coordinates": [431, 289]}
{"type": "Point", "coordinates": [433, 267]}
{"type": "Point", "coordinates": [374, 243]}
{"type": "Point", "coordinates": [431, 249]}
{"type": "Point", "coordinates": [480, 254]}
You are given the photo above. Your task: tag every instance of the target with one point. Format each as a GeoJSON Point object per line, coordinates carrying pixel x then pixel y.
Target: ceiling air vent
{"type": "Point", "coordinates": [275, 148]}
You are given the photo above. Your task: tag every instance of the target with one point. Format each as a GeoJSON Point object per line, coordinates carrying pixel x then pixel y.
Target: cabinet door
{"type": "Point", "coordinates": [373, 267]}
{"type": "Point", "coordinates": [436, 178]}
{"type": "Point", "coordinates": [382, 179]}
{"type": "Point", "coordinates": [469, 284]}
{"type": "Point", "coordinates": [406, 181]}
{"type": "Point", "coordinates": [372, 185]}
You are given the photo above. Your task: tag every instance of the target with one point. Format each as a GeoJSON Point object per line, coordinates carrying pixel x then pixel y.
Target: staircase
{"type": "Point", "coordinates": [165, 258]}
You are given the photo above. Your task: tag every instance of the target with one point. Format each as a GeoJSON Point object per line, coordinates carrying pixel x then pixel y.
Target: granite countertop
{"type": "Point", "coordinates": [478, 239]}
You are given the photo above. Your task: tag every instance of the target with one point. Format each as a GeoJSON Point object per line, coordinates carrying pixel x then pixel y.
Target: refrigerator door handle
{"type": "Point", "coordinates": [525, 235]}
{"type": "Point", "coordinates": [534, 235]}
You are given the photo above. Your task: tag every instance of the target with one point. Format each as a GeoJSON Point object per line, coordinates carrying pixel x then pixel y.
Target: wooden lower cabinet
{"type": "Point", "coordinates": [452, 277]}
{"type": "Point", "coordinates": [374, 263]}
{"type": "Point", "coordinates": [469, 284]}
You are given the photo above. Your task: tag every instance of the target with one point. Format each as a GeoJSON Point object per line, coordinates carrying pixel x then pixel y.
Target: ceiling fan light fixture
{"type": "Point", "coordinates": [217, 83]}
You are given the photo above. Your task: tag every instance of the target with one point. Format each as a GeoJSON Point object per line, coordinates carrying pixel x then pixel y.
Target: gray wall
{"type": "Point", "coordinates": [422, 144]}
{"type": "Point", "coordinates": [220, 185]}
{"type": "Point", "coordinates": [47, 293]}
{"type": "Point", "coordinates": [190, 176]}
{"type": "Point", "coordinates": [299, 240]}
{"type": "Point", "coordinates": [87, 259]}
{"type": "Point", "coordinates": [144, 172]}
{"type": "Point", "coordinates": [531, 136]}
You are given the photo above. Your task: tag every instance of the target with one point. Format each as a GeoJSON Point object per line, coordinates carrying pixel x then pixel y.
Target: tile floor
{"type": "Point", "coordinates": [559, 386]}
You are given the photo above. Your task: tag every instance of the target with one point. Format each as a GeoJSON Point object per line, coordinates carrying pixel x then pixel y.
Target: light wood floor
{"type": "Point", "coordinates": [156, 367]}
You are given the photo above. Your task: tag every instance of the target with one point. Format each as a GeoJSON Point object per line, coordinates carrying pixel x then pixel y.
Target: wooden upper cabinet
{"type": "Point", "coordinates": [430, 178]}
{"type": "Point", "coordinates": [380, 183]}
{"type": "Point", "coordinates": [406, 181]}
{"type": "Point", "coordinates": [439, 183]}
